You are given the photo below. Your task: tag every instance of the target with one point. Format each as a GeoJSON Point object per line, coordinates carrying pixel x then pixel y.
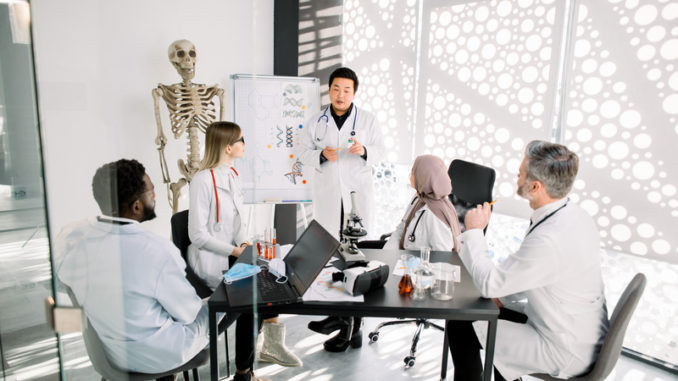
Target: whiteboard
{"type": "Point", "coordinates": [271, 111]}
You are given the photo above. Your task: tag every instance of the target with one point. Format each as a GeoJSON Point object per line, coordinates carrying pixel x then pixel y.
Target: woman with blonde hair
{"type": "Point", "coordinates": [217, 229]}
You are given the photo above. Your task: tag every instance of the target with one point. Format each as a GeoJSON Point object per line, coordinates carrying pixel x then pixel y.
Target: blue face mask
{"type": "Point", "coordinates": [240, 271]}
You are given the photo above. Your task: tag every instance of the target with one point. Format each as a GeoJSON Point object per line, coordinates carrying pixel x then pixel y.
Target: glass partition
{"type": "Point", "coordinates": [111, 81]}
{"type": "Point", "coordinates": [28, 347]}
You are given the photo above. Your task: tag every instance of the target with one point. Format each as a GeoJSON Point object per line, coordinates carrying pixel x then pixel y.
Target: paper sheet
{"type": "Point", "coordinates": [324, 290]}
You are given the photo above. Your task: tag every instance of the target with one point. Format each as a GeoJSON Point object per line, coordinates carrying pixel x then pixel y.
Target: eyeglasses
{"type": "Point", "coordinates": [242, 139]}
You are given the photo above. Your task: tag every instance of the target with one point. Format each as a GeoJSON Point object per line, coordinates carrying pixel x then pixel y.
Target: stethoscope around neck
{"type": "Point", "coordinates": [412, 237]}
{"type": "Point", "coordinates": [326, 120]}
{"type": "Point", "coordinates": [217, 225]}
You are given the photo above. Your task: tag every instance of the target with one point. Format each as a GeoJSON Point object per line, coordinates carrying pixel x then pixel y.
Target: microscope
{"type": "Point", "coordinates": [353, 231]}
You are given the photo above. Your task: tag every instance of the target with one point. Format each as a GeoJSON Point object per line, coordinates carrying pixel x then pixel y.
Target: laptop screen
{"type": "Point", "coordinates": [309, 255]}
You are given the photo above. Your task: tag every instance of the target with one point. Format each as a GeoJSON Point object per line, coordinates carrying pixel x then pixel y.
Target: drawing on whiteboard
{"type": "Point", "coordinates": [261, 104]}
{"type": "Point", "coordinates": [294, 89]}
{"type": "Point", "coordinates": [257, 169]}
{"type": "Point", "coordinates": [270, 110]}
{"type": "Point", "coordinates": [296, 102]}
{"type": "Point", "coordinates": [296, 172]}
{"type": "Point", "coordinates": [289, 137]}
{"type": "Point", "coordinates": [279, 136]}
{"type": "Point", "coordinates": [293, 114]}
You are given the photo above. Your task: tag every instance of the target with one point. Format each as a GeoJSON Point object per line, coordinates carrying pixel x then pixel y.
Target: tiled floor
{"type": "Point", "coordinates": [382, 360]}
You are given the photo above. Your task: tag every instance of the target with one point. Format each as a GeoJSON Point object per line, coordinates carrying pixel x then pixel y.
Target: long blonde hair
{"type": "Point", "coordinates": [218, 136]}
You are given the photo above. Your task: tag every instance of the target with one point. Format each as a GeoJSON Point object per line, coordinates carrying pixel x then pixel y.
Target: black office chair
{"type": "Point", "coordinates": [181, 239]}
{"type": "Point", "coordinates": [471, 185]}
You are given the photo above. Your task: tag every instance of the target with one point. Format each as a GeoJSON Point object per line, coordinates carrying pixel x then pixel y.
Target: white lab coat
{"type": "Point", "coordinates": [333, 181]}
{"type": "Point", "coordinates": [430, 232]}
{"type": "Point", "coordinates": [132, 285]}
{"type": "Point", "coordinates": [209, 250]}
{"type": "Point", "coordinates": [555, 279]}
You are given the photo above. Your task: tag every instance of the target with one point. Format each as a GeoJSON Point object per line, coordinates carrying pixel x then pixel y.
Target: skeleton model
{"type": "Point", "coordinates": [191, 108]}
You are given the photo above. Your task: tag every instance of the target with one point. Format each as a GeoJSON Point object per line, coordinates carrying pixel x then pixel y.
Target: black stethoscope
{"type": "Point", "coordinates": [326, 120]}
{"type": "Point", "coordinates": [544, 219]}
{"type": "Point", "coordinates": [217, 226]}
{"type": "Point", "coordinates": [412, 237]}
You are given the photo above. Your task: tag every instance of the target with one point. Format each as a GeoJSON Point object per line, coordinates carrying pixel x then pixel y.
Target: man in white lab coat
{"type": "Point", "coordinates": [339, 145]}
{"type": "Point", "coordinates": [130, 282]}
{"type": "Point", "coordinates": [550, 292]}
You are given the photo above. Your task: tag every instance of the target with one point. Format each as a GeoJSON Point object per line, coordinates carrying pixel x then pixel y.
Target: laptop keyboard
{"type": "Point", "coordinates": [270, 290]}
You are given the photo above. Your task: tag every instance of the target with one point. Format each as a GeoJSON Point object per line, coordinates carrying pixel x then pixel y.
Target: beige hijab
{"type": "Point", "coordinates": [433, 185]}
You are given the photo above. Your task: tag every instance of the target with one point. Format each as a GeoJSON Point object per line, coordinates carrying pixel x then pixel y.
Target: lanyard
{"type": "Point", "coordinates": [544, 219]}
{"type": "Point", "coordinates": [216, 195]}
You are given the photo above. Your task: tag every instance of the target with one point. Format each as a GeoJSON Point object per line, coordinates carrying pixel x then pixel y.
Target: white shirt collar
{"type": "Point", "coordinates": [118, 219]}
{"type": "Point", "coordinates": [542, 212]}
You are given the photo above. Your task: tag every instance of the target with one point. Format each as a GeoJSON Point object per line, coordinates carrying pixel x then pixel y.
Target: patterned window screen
{"type": "Point", "coordinates": [477, 80]}
{"type": "Point", "coordinates": [466, 80]}
{"type": "Point", "coordinates": [380, 45]}
{"type": "Point", "coordinates": [487, 80]}
{"type": "Point", "coordinates": [620, 115]}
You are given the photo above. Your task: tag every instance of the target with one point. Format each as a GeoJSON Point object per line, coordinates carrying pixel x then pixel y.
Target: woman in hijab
{"type": "Point", "coordinates": [430, 220]}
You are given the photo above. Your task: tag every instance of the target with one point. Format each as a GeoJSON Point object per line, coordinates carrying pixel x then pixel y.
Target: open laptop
{"type": "Point", "coordinates": [303, 263]}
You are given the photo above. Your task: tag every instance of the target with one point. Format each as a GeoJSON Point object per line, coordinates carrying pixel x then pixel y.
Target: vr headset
{"type": "Point", "coordinates": [363, 279]}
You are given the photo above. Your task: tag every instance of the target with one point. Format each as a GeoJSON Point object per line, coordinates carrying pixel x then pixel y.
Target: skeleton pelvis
{"type": "Point", "coordinates": [188, 171]}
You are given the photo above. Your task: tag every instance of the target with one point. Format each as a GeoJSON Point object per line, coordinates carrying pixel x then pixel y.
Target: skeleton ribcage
{"type": "Point", "coordinates": [190, 106]}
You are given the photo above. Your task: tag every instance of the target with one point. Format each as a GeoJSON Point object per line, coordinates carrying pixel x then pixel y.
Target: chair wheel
{"type": "Point", "coordinates": [373, 336]}
{"type": "Point", "coordinates": [409, 361]}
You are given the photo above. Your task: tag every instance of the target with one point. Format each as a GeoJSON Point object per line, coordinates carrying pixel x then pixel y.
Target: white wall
{"type": "Point", "coordinates": [96, 64]}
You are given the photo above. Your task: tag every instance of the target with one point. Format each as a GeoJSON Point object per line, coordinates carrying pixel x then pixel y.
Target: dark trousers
{"type": "Point", "coordinates": [244, 334]}
{"type": "Point", "coordinates": [244, 340]}
{"type": "Point", "coordinates": [465, 347]}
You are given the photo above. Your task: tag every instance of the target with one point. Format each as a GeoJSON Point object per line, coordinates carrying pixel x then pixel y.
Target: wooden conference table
{"type": "Point", "coordinates": [467, 304]}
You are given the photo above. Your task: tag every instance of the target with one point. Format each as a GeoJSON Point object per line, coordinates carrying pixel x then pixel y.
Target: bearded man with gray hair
{"type": "Point", "coordinates": [553, 316]}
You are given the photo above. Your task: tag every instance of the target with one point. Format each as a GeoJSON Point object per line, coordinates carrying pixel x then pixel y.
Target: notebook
{"type": "Point", "coordinates": [303, 263]}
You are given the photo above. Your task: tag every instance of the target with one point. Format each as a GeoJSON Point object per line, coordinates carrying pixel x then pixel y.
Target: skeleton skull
{"type": "Point", "coordinates": [182, 55]}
